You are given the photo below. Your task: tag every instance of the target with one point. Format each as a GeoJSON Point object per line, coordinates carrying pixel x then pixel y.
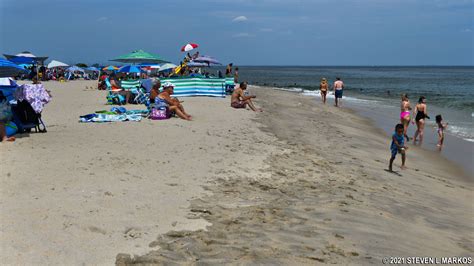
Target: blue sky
{"type": "Point", "coordinates": [258, 32]}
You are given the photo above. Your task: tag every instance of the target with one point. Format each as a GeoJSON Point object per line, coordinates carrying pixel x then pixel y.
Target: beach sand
{"type": "Point", "coordinates": [300, 183]}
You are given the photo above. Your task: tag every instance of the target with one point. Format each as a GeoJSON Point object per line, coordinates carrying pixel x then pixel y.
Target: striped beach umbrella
{"type": "Point", "coordinates": [110, 68]}
{"type": "Point", "coordinates": [188, 47]}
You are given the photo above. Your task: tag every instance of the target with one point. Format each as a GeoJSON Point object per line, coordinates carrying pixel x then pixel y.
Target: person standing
{"type": "Point", "coordinates": [228, 70]}
{"type": "Point", "coordinates": [338, 87]}
{"type": "Point", "coordinates": [405, 109]}
{"type": "Point", "coordinates": [420, 115]}
{"type": "Point", "coordinates": [236, 75]}
{"type": "Point", "coordinates": [323, 88]}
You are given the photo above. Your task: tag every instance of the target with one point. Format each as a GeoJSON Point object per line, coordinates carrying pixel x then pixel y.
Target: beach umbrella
{"type": "Point", "coordinates": [167, 66]}
{"type": "Point", "coordinates": [129, 69]}
{"type": "Point", "coordinates": [93, 69]}
{"type": "Point", "coordinates": [188, 47]}
{"type": "Point", "coordinates": [20, 58]}
{"type": "Point", "coordinates": [140, 56]}
{"type": "Point", "coordinates": [75, 68]}
{"type": "Point", "coordinates": [55, 63]}
{"type": "Point", "coordinates": [207, 59]}
{"type": "Point", "coordinates": [197, 64]}
{"type": "Point", "coordinates": [9, 69]}
{"type": "Point", "coordinates": [110, 68]}
{"type": "Point", "coordinates": [23, 60]}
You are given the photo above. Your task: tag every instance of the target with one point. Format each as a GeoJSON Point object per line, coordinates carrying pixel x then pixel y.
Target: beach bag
{"type": "Point", "coordinates": [159, 111]}
{"type": "Point", "coordinates": [159, 114]}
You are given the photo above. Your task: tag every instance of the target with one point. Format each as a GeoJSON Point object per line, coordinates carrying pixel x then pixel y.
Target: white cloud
{"type": "Point", "coordinates": [101, 19]}
{"type": "Point", "coordinates": [240, 19]}
{"type": "Point", "coordinates": [242, 35]}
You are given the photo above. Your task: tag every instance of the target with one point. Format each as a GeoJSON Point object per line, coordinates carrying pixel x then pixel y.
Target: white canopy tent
{"type": "Point", "coordinates": [55, 63]}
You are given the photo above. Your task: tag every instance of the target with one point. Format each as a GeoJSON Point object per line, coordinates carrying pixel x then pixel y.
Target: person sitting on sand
{"type": "Point", "coordinates": [117, 89]}
{"type": "Point", "coordinates": [397, 146]}
{"type": "Point", "coordinates": [239, 100]}
{"type": "Point", "coordinates": [155, 91]}
{"type": "Point", "coordinates": [174, 104]}
{"type": "Point", "coordinates": [323, 88]}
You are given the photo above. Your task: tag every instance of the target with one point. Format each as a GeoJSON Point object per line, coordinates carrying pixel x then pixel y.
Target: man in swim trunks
{"type": "Point", "coordinates": [338, 87]}
{"type": "Point", "coordinates": [239, 100]}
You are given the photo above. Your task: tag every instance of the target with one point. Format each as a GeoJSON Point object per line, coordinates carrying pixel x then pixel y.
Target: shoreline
{"type": "Point", "coordinates": [455, 147]}
{"type": "Point", "coordinates": [324, 198]}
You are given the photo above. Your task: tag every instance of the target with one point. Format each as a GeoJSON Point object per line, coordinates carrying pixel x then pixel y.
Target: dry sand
{"type": "Point", "coordinates": [81, 193]}
{"type": "Point", "coordinates": [300, 183]}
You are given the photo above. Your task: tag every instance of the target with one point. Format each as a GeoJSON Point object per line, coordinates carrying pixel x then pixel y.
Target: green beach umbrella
{"type": "Point", "coordinates": [139, 56]}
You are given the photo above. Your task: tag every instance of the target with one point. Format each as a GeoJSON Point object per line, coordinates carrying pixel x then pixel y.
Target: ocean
{"type": "Point", "coordinates": [449, 90]}
{"type": "Point", "coordinates": [375, 92]}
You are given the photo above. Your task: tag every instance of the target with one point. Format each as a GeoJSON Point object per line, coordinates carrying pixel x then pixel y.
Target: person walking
{"type": "Point", "coordinates": [323, 88]}
{"type": "Point", "coordinates": [338, 87]}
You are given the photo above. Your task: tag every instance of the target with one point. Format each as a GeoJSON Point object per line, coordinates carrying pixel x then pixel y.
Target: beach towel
{"type": "Point", "coordinates": [102, 118]}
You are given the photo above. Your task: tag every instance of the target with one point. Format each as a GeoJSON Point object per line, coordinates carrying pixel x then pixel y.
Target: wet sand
{"type": "Point", "coordinates": [321, 196]}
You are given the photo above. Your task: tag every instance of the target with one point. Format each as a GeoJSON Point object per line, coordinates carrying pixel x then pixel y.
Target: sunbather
{"type": "Point", "coordinates": [174, 104]}
{"type": "Point", "coordinates": [155, 90]}
{"type": "Point", "coordinates": [117, 89]}
{"type": "Point", "coordinates": [240, 100]}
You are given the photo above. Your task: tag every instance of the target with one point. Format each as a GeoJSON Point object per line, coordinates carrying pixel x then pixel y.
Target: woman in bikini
{"type": "Point", "coordinates": [420, 113]}
{"type": "Point", "coordinates": [405, 114]}
{"type": "Point", "coordinates": [323, 87]}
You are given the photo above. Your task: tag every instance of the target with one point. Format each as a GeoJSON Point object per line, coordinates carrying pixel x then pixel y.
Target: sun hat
{"type": "Point", "coordinates": [168, 84]}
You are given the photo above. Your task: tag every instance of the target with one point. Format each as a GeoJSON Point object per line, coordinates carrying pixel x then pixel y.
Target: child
{"type": "Point", "coordinates": [441, 127]}
{"type": "Point", "coordinates": [398, 146]}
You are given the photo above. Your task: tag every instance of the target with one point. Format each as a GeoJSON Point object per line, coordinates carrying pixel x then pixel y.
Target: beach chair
{"type": "Point", "coordinates": [26, 118]}
{"type": "Point", "coordinates": [131, 85]}
{"type": "Point", "coordinates": [134, 87]}
{"type": "Point", "coordinates": [113, 98]}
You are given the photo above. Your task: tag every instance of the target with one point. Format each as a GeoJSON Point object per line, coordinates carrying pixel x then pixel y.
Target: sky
{"type": "Point", "coordinates": [245, 32]}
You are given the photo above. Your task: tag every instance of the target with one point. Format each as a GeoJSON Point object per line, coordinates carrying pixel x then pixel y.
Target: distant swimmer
{"type": "Point", "coordinates": [338, 88]}
{"type": "Point", "coordinates": [323, 88]}
{"type": "Point", "coordinates": [405, 114]}
{"type": "Point", "coordinates": [420, 115]}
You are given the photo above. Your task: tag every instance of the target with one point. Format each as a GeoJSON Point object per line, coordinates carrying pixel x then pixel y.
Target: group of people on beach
{"type": "Point", "coordinates": [418, 117]}
{"type": "Point", "coordinates": [338, 88]}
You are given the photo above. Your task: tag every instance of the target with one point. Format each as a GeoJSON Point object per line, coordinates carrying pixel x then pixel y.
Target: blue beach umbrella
{"type": "Point", "coordinates": [75, 68]}
{"type": "Point", "coordinates": [93, 69]}
{"type": "Point", "coordinates": [130, 69]}
{"type": "Point", "coordinates": [9, 69]}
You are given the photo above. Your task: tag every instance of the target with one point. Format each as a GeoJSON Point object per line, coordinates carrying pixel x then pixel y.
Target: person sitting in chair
{"type": "Point", "coordinates": [115, 88]}
{"type": "Point", "coordinates": [155, 91]}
